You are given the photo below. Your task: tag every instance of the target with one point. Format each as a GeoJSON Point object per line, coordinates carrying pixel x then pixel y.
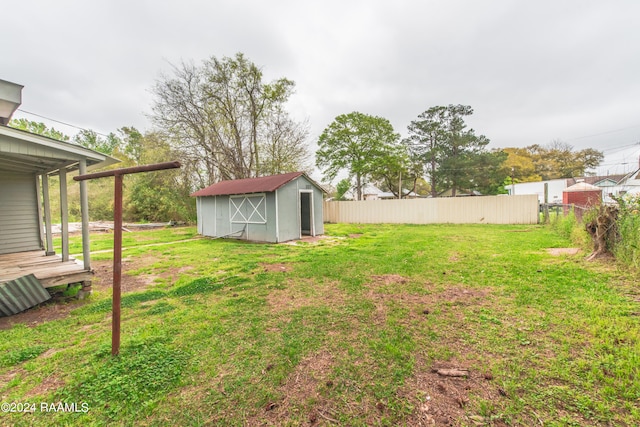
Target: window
{"type": "Point", "coordinates": [248, 209]}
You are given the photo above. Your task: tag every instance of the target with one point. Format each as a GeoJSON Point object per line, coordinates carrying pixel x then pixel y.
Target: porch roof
{"type": "Point", "coordinates": [26, 152]}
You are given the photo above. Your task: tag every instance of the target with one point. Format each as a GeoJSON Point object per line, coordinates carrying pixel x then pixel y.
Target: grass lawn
{"type": "Point", "coordinates": [364, 327]}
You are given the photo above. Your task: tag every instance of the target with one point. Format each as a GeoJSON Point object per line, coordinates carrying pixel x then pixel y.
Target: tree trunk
{"type": "Point", "coordinates": [604, 231]}
{"type": "Point", "coordinates": [434, 190]}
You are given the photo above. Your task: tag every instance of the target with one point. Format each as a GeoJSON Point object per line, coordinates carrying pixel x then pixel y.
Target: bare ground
{"type": "Point", "coordinates": [59, 307]}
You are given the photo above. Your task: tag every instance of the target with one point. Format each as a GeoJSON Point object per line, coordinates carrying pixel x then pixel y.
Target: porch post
{"type": "Point", "coordinates": [47, 214]}
{"type": "Point", "coordinates": [39, 202]}
{"type": "Point", "coordinates": [64, 214]}
{"type": "Point", "coordinates": [84, 209]}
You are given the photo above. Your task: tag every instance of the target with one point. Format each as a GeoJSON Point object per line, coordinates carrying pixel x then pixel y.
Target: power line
{"type": "Point", "coordinates": [62, 123]}
{"type": "Point", "coordinates": [602, 133]}
{"type": "Point", "coordinates": [620, 148]}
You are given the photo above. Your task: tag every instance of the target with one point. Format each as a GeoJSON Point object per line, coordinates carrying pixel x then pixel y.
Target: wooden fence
{"type": "Point", "coordinates": [522, 209]}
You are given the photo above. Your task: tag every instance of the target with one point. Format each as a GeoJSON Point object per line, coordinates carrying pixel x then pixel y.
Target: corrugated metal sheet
{"type": "Point", "coordinates": [454, 210]}
{"type": "Point", "coordinates": [21, 294]}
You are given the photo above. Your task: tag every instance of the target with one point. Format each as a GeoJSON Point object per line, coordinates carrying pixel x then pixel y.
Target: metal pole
{"type": "Point", "coordinates": [117, 265]}
{"type": "Point", "coordinates": [513, 183]}
{"type": "Point", "coordinates": [118, 175]}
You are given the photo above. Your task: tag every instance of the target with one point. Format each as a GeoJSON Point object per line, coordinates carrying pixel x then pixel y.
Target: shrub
{"type": "Point", "coordinates": [628, 248]}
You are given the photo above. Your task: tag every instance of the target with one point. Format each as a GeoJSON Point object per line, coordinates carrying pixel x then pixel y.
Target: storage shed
{"type": "Point", "coordinates": [582, 196]}
{"type": "Point", "coordinates": [274, 208]}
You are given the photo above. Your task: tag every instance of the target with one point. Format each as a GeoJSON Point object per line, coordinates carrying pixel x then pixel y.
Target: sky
{"type": "Point", "coordinates": [533, 71]}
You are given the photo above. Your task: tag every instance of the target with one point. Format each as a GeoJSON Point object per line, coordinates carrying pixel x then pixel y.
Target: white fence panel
{"type": "Point", "coordinates": [456, 210]}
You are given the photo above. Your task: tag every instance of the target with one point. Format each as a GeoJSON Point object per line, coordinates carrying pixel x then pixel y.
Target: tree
{"type": "Point", "coordinates": [283, 148]}
{"type": "Point", "coordinates": [427, 141]}
{"type": "Point", "coordinates": [490, 172]}
{"type": "Point", "coordinates": [454, 157]}
{"type": "Point", "coordinates": [520, 165]}
{"type": "Point", "coordinates": [221, 116]}
{"type": "Point", "coordinates": [556, 160]}
{"type": "Point", "coordinates": [158, 196]}
{"type": "Point", "coordinates": [358, 144]}
{"type": "Point", "coordinates": [90, 139]}
{"type": "Point", "coordinates": [397, 171]}
{"type": "Point", "coordinates": [38, 128]}
{"type": "Point", "coordinates": [341, 189]}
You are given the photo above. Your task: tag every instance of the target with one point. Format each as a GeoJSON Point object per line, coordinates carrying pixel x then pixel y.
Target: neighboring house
{"type": "Point", "coordinates": [371, 192]}
{"type": "Point", "coordinates": [611, 185]}
{"type": "Point", "coordinates": [27, 161]}
{"type": "Point", "coordinates": [273, 208]}
{"type": "Point", "coordinates": [629, 184]}
{"type": "Point", "coordinates": [555, 189]}
{"type": "Point", "coordinates": [459, 193]}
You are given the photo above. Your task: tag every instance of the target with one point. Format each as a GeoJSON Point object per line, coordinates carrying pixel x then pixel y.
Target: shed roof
{"type": "Point", "coordinates": [249, 185]}
{"type": "Point", "coordinates": [582, 186]}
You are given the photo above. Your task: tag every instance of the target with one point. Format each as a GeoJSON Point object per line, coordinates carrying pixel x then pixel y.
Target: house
{"type": "Point", "coordinates": [459, 193]}
{"type": "Point", "coordinates": [611, 185]}
{"type": "Point", "coordinates": [371, 192]}
{"type": "Point", "coordinates": [27, 161]}
{"type": "Point", "coordinates": [628, 184]}
{"type": "Point", "coordinates": [274, 208]}
{"type": "Point", "coordinates": [555, 187]}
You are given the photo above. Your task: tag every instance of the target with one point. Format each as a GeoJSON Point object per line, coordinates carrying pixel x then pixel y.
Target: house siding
{"type": "Point", "coordinates": [19, 226]}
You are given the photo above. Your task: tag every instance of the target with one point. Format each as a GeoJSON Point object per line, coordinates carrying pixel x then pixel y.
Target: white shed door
{"type": "Point", "coordinates": [248, 209]}
{"type": "Point", "coordinates": [18, 214]}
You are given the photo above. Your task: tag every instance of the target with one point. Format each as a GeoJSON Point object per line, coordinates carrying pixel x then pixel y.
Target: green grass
{"type": "Point", "coordinates": [347, 334]}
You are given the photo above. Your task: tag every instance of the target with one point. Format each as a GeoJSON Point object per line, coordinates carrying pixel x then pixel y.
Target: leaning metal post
{"type": "Point", "coordinates": [117, 236]}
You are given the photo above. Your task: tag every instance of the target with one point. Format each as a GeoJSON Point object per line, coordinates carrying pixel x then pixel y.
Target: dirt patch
{"type": "Point", "coordinates": [302, 391]}
{"type": "Point", "coordinates": [315, 240]}
{"type": "Point", "coordinates": [103, 278]}
{"type": "Point", "coordinates": [51, 310]}
{"type": "Point", "coordinates": [355, 235]}
{"type": "Point", "coordinates": [8, 376]}
{"type": "Point", "coordinates": [463, 296]}
{"type": "Point", "coordinates": [384, 293]}
{"type": "Point", "coordinates": [388, 279]}
{"type": "Point", "coordinates": [563, 251]}
{"type": "Point", "coordinates": [304, 293]}
{"type": "Point", "coordinates": [283, 268]}
{"type": "Point", "coordinates": [442, 400]}
{"type": "Point", "coordinates": [48, 384]}
{"type": "Point", "coordinates": [60, 307]}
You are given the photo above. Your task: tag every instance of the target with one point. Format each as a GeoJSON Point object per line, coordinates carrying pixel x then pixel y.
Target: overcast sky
{"type": "Point", "coordinates": [533, 71]}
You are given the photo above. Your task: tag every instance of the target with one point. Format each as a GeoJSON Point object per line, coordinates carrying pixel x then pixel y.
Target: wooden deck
{"type": "Point", "coordinates": [49, 270]}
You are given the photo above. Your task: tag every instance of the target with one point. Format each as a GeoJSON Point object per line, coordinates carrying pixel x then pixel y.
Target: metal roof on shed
{"type": "Point", "coordinates": [582, 186]}
{"type": "Point", "coordinates": [248, 185]}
